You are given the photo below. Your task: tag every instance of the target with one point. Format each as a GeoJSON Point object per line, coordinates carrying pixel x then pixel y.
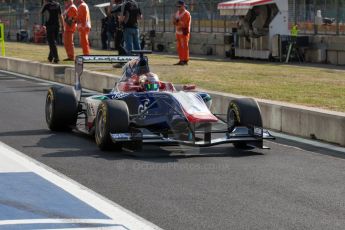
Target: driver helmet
{"type": "Point", "coordinates": [150, 82]}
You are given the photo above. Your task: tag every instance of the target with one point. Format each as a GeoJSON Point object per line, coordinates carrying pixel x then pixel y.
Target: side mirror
{"type": "Point", "coordinates": [189, 87]}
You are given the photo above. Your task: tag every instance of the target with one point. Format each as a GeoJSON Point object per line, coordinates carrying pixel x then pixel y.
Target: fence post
{"type": "Point", "coordinates": [164, 16]}
{"type": "Point", "coordinates": [2, 38]}
{"type": "Point", "coordinates": [337, 17]}
{"type": "Point", "coordinates": [211, 11]}
{"type": "Point", "coordinates": [224, 25]}
{"type": "Point", "coordinates": [199, 19]}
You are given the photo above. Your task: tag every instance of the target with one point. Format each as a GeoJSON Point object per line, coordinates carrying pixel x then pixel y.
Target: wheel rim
{"type": "Point", "coordinates": [49, 108]}
{"type": "Point", "coordinates": [100, 126]}
{"type": "Point", "coordinates": [231, 120]}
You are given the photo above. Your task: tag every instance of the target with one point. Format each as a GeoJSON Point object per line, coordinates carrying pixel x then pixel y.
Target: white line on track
{"type": "Point", "coordinates": [114, 211]}
{"type": "Point", "coordinates": [89, 222]}
{"type": "Point", "coordinates": [88, 228]}
{"type": "Point", "coordinates": [57, 221]}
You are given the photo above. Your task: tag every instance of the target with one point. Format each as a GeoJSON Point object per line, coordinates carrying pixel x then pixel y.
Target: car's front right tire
{"type": "Point", "coordinates": [243, 112]}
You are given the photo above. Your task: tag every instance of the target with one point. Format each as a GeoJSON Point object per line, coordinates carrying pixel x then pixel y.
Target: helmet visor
{"type": "Point", "coordinates": [151, 87]}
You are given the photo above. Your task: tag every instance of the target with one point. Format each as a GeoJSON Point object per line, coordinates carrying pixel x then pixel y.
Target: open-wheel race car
{"type": "Point", "coordinates": [141, 108]}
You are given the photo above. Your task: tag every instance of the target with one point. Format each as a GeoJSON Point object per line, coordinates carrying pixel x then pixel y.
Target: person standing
{"type": "Point", "coordinates": [84, 25]}
{"type": "Point", "coordinates": [111, 28]}
{"type": "Point", "coordinates": [55, 20]}
{"type": "Point", "coordinates": [70, 18]}
{"type": "Point", "coordinates": [119, 42]}
{"type": "Point", "coordinates": [182, 22]}
{"type": "Point", "coordinates": [129, 16]}
{"type": "Point", "coordinates": [104, 31]}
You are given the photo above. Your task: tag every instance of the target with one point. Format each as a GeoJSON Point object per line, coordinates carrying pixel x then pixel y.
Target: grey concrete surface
{"type": "Point", "coordinates": [220, 187]}
{"type": "Point", "coordinates": [302, 121]}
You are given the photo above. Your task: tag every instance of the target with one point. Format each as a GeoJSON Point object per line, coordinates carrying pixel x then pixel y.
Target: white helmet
{"type": "Point", "coordinates": [150, 81]}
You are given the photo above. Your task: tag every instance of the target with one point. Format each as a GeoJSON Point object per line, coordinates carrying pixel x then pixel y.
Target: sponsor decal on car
{"type": "Point", "coordinates": [118, 95]}
{"type": "Point", "coordinates": [142, 107]}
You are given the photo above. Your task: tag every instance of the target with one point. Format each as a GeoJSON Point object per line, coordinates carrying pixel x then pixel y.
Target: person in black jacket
{"type": "Point", "coordinates": [130, 14]}
{"type": "Point", "coordinates": [52, 24]}
{"type": "Point", "coordinates": [119, 41]}
{"type": "Point", "coordinates": [104, 31]}
{"type": "Point", "coordinates": [111, 27]}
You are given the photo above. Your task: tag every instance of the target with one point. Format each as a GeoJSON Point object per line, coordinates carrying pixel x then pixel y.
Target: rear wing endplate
{"type": "Point", "coordinates": [81, 59]}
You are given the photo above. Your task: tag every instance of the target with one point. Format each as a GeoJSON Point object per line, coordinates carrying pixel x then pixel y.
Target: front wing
{"type": "Point", "coordinates": [251, 136]}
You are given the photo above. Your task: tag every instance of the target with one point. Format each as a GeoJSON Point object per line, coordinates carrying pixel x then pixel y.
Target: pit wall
{"type": "Point", "coordinates": [296, 120]}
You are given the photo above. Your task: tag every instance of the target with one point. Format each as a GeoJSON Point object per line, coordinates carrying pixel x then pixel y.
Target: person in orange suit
{"type": "Point", "coordinates": [182, 21]}
{"type": "Point", "coordinates": [70, 18]}
{"type": "Point", "coordinates": [84, 25]}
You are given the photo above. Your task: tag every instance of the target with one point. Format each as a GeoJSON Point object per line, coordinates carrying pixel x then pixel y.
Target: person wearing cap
{"type": "Point", "coordinates": [55, 19]}
{"type": "Point", "coordinates": [84, 25]}
{"type": "Point", "coordinates": [182, 22]}
{"type": "Point", "coordinates": [70, 18]}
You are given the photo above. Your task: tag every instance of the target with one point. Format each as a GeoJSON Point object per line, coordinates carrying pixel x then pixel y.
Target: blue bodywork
{"type": "Point", "coordinates": [154, 110]}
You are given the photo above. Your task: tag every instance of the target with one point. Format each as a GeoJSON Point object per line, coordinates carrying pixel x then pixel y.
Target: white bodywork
{"type": "Point", "coordinates": [192, 103]}
{"type": "Point", "coordinates": [92, 104]}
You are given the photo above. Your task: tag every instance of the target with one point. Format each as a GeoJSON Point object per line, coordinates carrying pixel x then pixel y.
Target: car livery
{"type": "Point", "coordinates": [129, 115]}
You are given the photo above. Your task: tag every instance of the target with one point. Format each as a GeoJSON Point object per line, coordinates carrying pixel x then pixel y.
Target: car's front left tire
{"type": "Point", "coordinates": [112, 117]}
{"type": "Point", "coordinates": [61, 108]}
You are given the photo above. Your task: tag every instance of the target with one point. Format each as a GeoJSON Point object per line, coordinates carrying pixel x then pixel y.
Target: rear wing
{"type": "Point", "coordinates": [111, 59]}
{"type": "Point", "coordinates": [81, 60]}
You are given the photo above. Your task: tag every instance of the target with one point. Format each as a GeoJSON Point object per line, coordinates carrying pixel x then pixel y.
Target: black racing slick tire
{"type": "Point", "coordinates": [112, 117]}
{"type": "Point", "coordinates": [243, 112]}
{"type": "Point", "coordinates": [61, 108]}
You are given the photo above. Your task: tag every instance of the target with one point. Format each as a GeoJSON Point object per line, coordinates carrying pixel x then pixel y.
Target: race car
{"type": "Point", "coordinates": [142, 109]}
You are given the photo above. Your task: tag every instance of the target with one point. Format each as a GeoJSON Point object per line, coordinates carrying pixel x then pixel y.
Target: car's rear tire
{"type": "Point", "coordinates": [61, 108]}
{"type": "Point", "coordinates": [112, 117]}
{"type": "Point", "coordinates": [243, 112]}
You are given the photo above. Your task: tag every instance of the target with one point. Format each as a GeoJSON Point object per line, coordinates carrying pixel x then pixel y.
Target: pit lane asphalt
{"type": "Point", "coordinates": [291, 186]}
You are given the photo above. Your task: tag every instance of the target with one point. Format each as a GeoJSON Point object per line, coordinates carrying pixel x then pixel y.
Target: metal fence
{"type": "Point", "coordinates": [205, 16]}
{"type": "Point", "coordinates": [24, 14]}
{"type": "Point", "coordinates": [332, 13]}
